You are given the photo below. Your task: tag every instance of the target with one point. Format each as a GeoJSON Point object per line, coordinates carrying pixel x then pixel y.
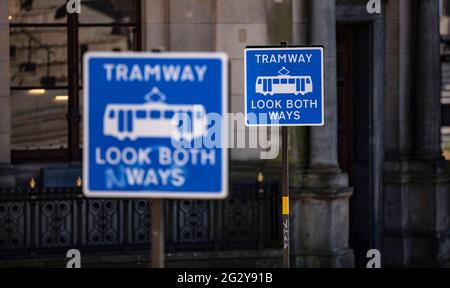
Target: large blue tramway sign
{"type": "Point", "coordinates": [153, 125]}
{"type": "Point", "coordinates": [284, 86]}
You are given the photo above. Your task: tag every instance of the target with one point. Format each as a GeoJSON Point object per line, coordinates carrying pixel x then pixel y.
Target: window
{"type": "Point", "coordinates": [155, 114]}
{"type": "Point", "coordinates": [168, 114]}
{"type": "Point", "coordinates": [276, 81]}
{"type": "Point", "coordinates": [292, 81]}
{"type": "Point", "coordinates": [47, 43]}
{"type": "Point", "coordinates": [283, 81]}
{"type": "Point", "coordinates": [111, 114]}
{"type": "Point", "coordinates": [259, 81]}
{"type": "Point", "coordinates": [141, 114]}
{"type": "Point", "coordinates": [308, 81]}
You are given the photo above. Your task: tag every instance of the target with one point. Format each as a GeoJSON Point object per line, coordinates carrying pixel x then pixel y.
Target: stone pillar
{"type": "Point", "coordinates": [428, 80]}
{"type": "Point", "coordinates": [155, 33]}
{"type": "Point", "coordinates": [6, 171]}
{"type": "Point", "coordinates": [178, 25]}
{"type": "Point", "coordinates": [320, 204]}
{"type": "Point", "coordinates": [299, 136]}
{"type": "Point", "coordinates": [300, 22]}
{"type": "Point", "coordinates": [429, 190]}
{"type": "Point", "coordinates": [323, 32]}
{"type": "Point", "coordinates": [399, 129]}
{"type": "Point", "coordinates": [416, 181]}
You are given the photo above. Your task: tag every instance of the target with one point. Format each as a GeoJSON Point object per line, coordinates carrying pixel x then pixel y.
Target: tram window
{"type": "Point", "coordinates": [276, 81]}
{"type": "Point", "coordinates": [308, 81]}
{"type": "Point", "coordinates": [292, 81]}
{"type": "Point", "coordinates": [111, 114]}
{"type": "Point", "coordinates": [259, 81]}
{"type": "Point", "coordinates": [168, 114]}
{"type": "Point", "coordinates": [283, 81]}
{"type": "Point", "coordinates": [155, 114]}
{"type": "Point", "coordinates": [141, 114]}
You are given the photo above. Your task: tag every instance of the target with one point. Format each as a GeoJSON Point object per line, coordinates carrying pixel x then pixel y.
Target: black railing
{"type": "Point", "coordinates": [46, 221]}
{"type": "Point", "coordinates": [37, 222]}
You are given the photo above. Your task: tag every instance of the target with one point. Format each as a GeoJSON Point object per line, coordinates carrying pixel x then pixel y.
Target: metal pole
{"type": "Point", "coordinates": [157, 234]}
{"type": "Point", "coordinates": [157, 229]}
{"type": "Point", "coordinates": [285, 189]}
{"type": "Point", "coordinates": [285, 194]}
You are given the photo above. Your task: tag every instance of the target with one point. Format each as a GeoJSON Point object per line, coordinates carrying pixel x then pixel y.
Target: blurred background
{"type": "Point", "coordinates": [375, 176]}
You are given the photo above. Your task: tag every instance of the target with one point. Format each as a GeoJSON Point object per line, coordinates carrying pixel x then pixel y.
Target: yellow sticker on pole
{"type": "Point", "coordinates": [285, 205]}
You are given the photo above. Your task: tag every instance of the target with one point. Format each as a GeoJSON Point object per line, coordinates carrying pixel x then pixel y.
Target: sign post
{"type": "Point", "coordinates": [154, 127]}
{"type": "Point", "coordinates": [285, 193]}
{"type": "Point", "coordinates": [285, 189]}
{"type": "Point", "coordinates": [157, 234]}
{"type": "Point", "coordinates": [284, 86]}
{"type": "Point", "coordinates": [157, 227]}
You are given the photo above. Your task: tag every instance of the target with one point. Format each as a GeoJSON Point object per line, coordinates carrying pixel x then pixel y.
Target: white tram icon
{"type": "Point", "coordinates": [154, 119]}
{"type": "Point", "coordinates": [284, 84]}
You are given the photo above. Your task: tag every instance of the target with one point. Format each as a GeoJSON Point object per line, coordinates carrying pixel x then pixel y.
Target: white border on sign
{"type": "Point", "coordinates": [156, 194]}
{"type": "Point", "coordinates": [276, 49]}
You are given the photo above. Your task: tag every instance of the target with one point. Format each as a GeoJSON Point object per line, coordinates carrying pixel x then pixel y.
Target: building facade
{"type": "Point", "coordinates": [373, 177]}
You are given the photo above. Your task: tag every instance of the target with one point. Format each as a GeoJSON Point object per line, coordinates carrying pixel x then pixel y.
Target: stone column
{"type": "Point", "coordinates": [155, 31]}
{"type": "Point", "coordinates": [428, 80]}
{"type": "Point", "coordinates": [320, 204]}
{"type": "Point", "coordinates": [299, 136]}
{"type": "Point", "coordinates": [429, 185]}
{"type": "Point", "coordinates": [323, 32]}
{"type": "Point", "coordinates": [300, 22]}
{"type": "Point", "coordinates": [6, 171]}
